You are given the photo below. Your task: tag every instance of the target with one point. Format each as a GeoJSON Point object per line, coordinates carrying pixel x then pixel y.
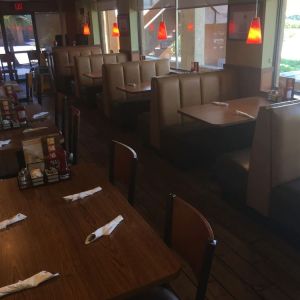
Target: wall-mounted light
{"type": "Point", "coordinates": [254, 35]}
{"type": "Point", "coordinates": [115, 30]}
{"type": "Point", "coordinates": [190, 26]}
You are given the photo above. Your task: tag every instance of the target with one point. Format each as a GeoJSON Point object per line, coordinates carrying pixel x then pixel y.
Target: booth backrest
{"type": "Point", "coordinates": [130, 72]}
{"type": "Point", "coordinates": [93, 63]}
{"type": "Point", "coordinates": [63, 56]}
{"type": "Point", "coordinates": [275, 152]}
{"type": "Point", "coordinates": [170, 93]}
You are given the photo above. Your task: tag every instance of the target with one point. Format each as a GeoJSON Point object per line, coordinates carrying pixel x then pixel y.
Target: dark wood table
{"type": "Point", "coordinates": [143, 87]}
{"type": "Point", "coordinates": [225, 115]}
{"type": "Point", "coordinates": [93, 75]}
{"type": "Point", "coordinates": [16, 134]}
{"type": "Point", "coordinates": [52, 238]}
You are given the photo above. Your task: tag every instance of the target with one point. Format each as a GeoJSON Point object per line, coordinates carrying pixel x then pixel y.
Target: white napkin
{"type": "Point", "coordinates": [104, 230]}
{"type": "Point", "coordinates": [241, 113]}
{"type": "Point", "coordinates": [40, 115]}
{"type": "Point", "coordinates": [17, 218]}
{"type": "Point", "coordinates": [220, 103]}
{"type": "Point", "coordinates": [83, 194]}
{"type": "Point", "coordinates": [28, 283]}
{"type": "Point", "coordinates": [5, 142]}
{"type": "Point", "coordinates": [34, 129]}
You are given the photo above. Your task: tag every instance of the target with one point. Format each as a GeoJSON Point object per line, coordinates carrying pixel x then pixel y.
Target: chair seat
{"type": "Point", "coordinates": [157, 293]}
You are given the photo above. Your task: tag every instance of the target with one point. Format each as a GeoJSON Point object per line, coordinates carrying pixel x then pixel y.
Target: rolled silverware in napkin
{"type": "Point", "coordinates": [17, 218]}
{"type": "Point", "coordinates": [83, 194]}
{"type": "Point", "coordinates": [5, 142]}
{"type": "Point", "coordinates": [241, 113]}
{"type": "Point", "coordinates": [40, 115]}
{"type": "Point", "coordinates": [104, 230]}
{"type": "Point", "coordinates": [28, 283]}
{"type": "Point", "coordinates": [220, 103]}
{"type": "Point", "coordinates": [33, 129]}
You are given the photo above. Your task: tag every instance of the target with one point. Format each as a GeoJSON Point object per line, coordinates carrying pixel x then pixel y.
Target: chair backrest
{"type": "Point", "coordinates": [123, 167]}
{"type": "Point", "coordinates": [29, 86]}
{"type": "Point", "coordinates": [129, 72]}
{"type": "Point", "coordinates": [73, 133]}
{"type": "Point", "coordinates": [274, 153]}
{"type": "Point", "coordinates": [190, 235]}
{"type": "Point", "coordinates": [62, 107]}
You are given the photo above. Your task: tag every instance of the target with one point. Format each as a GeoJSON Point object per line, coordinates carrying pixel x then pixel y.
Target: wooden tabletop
{"type": "Point", "coordinates": [143, 87]}
{"type": "Point", "coordinates": [93, 75]}
{"type": "Point", "coordinates": [17, 135]}
{"type": "Point", "coordinates": [225, 116]}
{"type": "Point", "coordinates": [52, 238]}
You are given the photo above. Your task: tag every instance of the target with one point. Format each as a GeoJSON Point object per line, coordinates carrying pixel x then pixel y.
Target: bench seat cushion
{"type": "Point", "coordinates": [231, 171]}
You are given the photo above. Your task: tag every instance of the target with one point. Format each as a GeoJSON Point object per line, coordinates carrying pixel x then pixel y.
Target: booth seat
{"type": "Point", "coordinates": [116, 103]}
{"type": "Point", "coordinates": [90, 64]}
{"type": "Point", "coordinates": [267, 177]}
{"type": "Point", "coordinates": [170, 93]}
{"type": "Point", "coordinates": [64, 57]}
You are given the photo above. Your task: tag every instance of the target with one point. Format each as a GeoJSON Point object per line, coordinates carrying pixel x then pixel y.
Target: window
{"type": "Point", "coordinates": [202, 36]}
{"type": "Point", "coordinates": [193, 34]}
{"type": "Point", "coordinates": [2, 50]}
{"type": "Point", "coordinates": [151, 46]}
{"type": "Point", "coordinates": [110, 43]}
{"type": "Point", "coordinates": [48, 26]}
{"type": "Point", "coordinates": [290, 57]}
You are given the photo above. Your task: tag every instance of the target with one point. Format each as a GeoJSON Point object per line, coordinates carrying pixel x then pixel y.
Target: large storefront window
{"type": "Point", "coordinates": [110, 43]}
{"type": "Point", "coordinates": [193, 34]}
{"type": "Point", "coordinates": [290, 56]}
{"type": "Point", "coordinates": [151, 45]}
{"type": "Point", "coordinates": [202, 36]}
{"type": "Point", "coordinates": [48, 26]}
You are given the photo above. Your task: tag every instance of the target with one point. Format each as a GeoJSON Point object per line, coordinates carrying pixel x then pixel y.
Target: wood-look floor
{"type": "Point", "coordinates": [251, 261]}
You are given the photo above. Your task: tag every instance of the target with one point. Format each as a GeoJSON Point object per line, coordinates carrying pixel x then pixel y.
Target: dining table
{"type": "Point", "coordinates": [52, 238]}
{"type": "Point", "coordinates": [136, 88]}
{"type": "Point", "coordinates": [226, 113]}
{"type": "Point", "coordinates": [93, 75]}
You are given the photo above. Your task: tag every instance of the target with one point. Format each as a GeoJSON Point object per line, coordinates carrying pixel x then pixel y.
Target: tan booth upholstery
{"type": "Point", "coordinates": [93, 63]}
{"type": "Point", "coordinates": [130, 72]}
{"type": "Point", "coordinates": [64, 56]}
{"type": "Point", "coordinates": [273, 160]}
{"type": "Point", "coordinates": [170, 93]}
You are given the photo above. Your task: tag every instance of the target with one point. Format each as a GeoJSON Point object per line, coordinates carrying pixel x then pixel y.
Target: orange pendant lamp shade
{"type": "Point", "coordinates": [86, 29]}
{"type": "Point", "coordinates": [115, 30]}
{"type": "Point", "coordinates": [162, 31]}
{"type": "Point", "coordinates": [254, 35]}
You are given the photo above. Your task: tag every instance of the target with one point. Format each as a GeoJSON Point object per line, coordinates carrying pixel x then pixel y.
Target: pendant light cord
{"type": "Point", "coordinates": [256, 8]}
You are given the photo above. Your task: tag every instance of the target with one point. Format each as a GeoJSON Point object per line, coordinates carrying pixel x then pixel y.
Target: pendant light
{"type": "Point", "coordinates": [162, 31]}
{"type": "Point", "coordinates": [254, 35]}
{"type": "Point", "coordinates": [115, 30]}
{"type": "Point", "coordinates": [86, 29]}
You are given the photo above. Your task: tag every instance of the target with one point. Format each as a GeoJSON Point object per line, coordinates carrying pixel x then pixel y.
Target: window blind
{"type": "Point", "coordinates": [103, 5]}
{"type": "Point", "coordinates": [156, 4]}
{"type": "Point", "coordinates": [200, 3]}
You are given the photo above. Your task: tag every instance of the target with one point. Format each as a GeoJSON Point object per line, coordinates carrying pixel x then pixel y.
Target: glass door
{"type": "Point", "coordinates": [20, 38]}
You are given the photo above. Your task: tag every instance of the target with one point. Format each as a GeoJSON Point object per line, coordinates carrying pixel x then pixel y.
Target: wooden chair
{"type": "Point", "coordinates": [123, 167]}
{"type": "Point", "coordinates": [73, 134]}
{"type": "Point", "coordinates": [8, 66]}
{"type": "Point", "coordinates": [189, 234]}
{"type": "Point", "coordinates": [29, 86]}
{"type": "Point", "coordinates": [34, 58]}
{"type": "Point", "coordinates": [62, 107]}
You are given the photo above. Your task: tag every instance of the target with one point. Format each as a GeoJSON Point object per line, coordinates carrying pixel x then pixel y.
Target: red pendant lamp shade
{"type": "Point", "coordinates": [86, 29]}
{"type": "Point", "coordinates": [115, 30]}
{"type": "Point", "coordinates": [232, 27]}
{"type": "Point", "coordinates": [162, 31]}
{"type": "Point", "coordinates": [254, 35]}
